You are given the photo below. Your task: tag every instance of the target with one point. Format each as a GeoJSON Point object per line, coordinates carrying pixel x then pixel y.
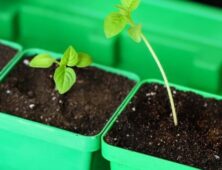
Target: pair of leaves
{"type": "Point", "coordinates": [115, 22]}
{"type": "Point", "coordinates": [72, 58]}
{"type": "Point", "coordinates": [64, 76]}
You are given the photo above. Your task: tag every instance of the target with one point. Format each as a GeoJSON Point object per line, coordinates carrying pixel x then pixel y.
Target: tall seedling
{"type": "Point", "coordinates": [115, 22]}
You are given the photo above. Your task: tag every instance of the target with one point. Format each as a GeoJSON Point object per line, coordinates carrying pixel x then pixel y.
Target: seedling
{"type": "Point", "coordinates": [64, 75]}
{"type": "Point", "coordinates": [115, 23]}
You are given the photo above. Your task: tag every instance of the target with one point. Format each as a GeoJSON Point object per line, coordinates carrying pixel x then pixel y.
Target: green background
{"type": "Point", "coordinates": [186, 36]}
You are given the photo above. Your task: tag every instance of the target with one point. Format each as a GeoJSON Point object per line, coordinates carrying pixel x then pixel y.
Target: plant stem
{"type": "Point", "coordinates": [164, 77]}
{"type": "Point", "coordinates": [57, 62]}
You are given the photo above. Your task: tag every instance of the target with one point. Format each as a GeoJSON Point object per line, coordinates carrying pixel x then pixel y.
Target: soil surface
{"type": "Point", "coordinates": [216, 3]}
{"type": "Point", "coordinates": [85, 109]}
{"type": "Point", "coordinates": [6, 53]}
{"type": "Point", "coordinates": [146, 126]}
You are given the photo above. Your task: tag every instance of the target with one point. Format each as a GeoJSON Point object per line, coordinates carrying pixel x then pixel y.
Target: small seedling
{"type": "Point", "coordinates": [64, 75]}
{"type": "Point", "coordinates": [115, 23]}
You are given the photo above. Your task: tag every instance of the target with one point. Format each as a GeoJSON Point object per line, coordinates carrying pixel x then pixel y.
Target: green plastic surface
{"type": "Point", "coordinates": [187, 38]}
{"type": "Point", "coordinates": [7, 19]}
{"type": "Point", "coordinates": [122, 159]}
{"type": "Point", "coordinates": [184, 35]}
{"type": "Point", "coordinates": [33, 146]}
{"type": "Point", "coordinates": [85, 31]}
{"type": "Point", "coordinates": [14, 46]}
{"type": "Point", "coordinates": [185, 62]}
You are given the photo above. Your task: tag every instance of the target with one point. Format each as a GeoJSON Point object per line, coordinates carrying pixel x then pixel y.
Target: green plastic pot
{"type": "Point", "coordinates": [184, 35]}
{"type": "Point", "coordinates": [7, 19]}
{"type": "Point", "coordinates": [85, 31]}
{"type": "Point", "coordinates": [30, 145]}
{"type": "Point", "coordinates": [186, 44]}
{"type": "Point", "coordinates": [12, 45]}
{"type": "Point", "coordinates": [187, 57]}
{"type": "Point", "coordinates": [123, 159]}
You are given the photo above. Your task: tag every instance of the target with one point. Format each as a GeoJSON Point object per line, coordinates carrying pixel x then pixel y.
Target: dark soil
{"type": "Point", "coordinates": [146, 126]}
{"type": "Point", "coordinates": [216, 3]}
{"type": "Point", "coordinates": [6, 53]}
{"type": "Point", "coordinates": [85, 109]}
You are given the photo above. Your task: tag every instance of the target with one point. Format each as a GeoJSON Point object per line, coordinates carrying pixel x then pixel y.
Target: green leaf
{"type": "Point", "coordinates": [131, 4]}
{"type": "Point", "coordinates": [42, 61]}
{"type": "Point", "coordinates": [122, 10]}
{"type": "Point", "coordinates": [70, 57]}
{"type": "Point", "coordinates": [64, 78]}
{"type": "Point", "coordinates": [114, 24]}
{"type": "Point", "coordinates": [135, 33]}
{"type": "Point", "coordinates": [84, 60]}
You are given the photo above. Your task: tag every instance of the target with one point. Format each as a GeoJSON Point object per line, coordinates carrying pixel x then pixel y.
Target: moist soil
{"type": "Point", "coordinates": [146, 126]}
{"type": "Point", "coordinates": [216, 3]}
{"type": "Point", "coordinates": [29, 93]}
{"type": "Point", "coordinates": [6, 53]}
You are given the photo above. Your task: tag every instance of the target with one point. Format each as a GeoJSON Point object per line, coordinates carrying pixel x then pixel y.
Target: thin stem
{"type": "Point", "coordinates": [164, 77]}
{"type": "Point", "coordinates": [55, 61]}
